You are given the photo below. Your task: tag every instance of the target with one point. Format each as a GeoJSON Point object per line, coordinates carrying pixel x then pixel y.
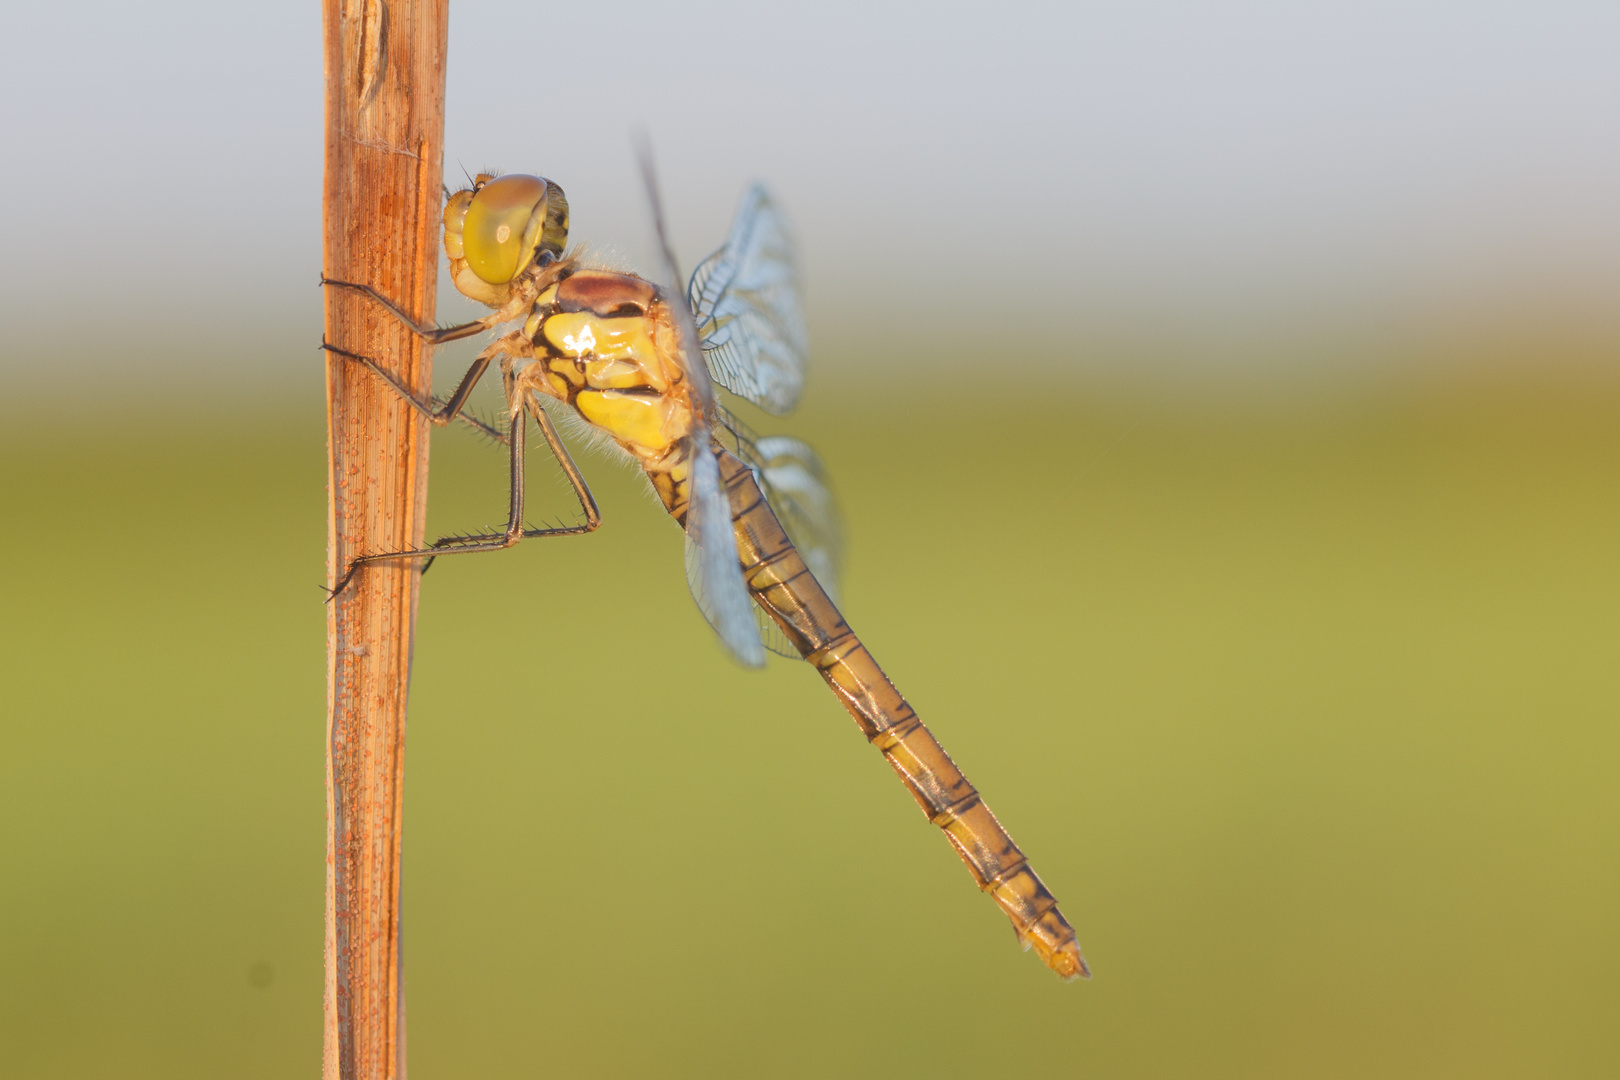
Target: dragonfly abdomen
{"type": "Point", "coordinates": [783, 585]}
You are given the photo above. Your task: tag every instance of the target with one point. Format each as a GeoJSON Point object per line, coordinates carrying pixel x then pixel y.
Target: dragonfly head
{"type": "Point", "coordinates": [499, 228]}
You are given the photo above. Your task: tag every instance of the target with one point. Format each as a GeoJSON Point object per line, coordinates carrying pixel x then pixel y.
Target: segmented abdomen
{"type": "Point", "coordinates": [785, 588]}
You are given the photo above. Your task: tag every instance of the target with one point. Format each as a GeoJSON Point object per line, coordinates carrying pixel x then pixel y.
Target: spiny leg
{"type": "Point", "coordinates": [490, 542]}
{"type": "Point", "coordinates": [513, 342]}
{"type": "Point", "coordinates": [582, 492]}
{"type": "Point", "coordinates": [433, 335]}
{"type": "Point", "coordinates": [453, 545]}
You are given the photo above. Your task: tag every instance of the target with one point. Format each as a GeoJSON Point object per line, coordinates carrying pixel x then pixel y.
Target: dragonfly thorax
{"type": "Point", "coordinates": [604, 343]}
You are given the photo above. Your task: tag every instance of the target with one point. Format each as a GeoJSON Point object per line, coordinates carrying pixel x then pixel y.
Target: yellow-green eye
{"type": "Point", "coordinates": [455, 214]}
{"type": "Point", "coordinates": [510, 220]}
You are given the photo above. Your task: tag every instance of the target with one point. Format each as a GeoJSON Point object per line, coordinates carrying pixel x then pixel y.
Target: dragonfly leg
{"type": "Point", "coordinates": [455, 545]}
{"type": "Point", "coordinates": [433, 335]}
{"type": "Point", "coordinates": [452, 407]}
{"type": "Point", "coordinates": [449, 545]}
{"type": "Point", "coordinates": [582, 490]}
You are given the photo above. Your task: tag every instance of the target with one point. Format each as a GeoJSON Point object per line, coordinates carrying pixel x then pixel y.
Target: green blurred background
{"type": "Point", "coordinates": [1224, 403]}
{"type": "Point", "coordinates": [1305, 713]}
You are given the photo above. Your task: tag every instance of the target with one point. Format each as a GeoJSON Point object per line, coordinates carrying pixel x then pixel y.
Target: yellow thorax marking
{"type": "Point", "coordinates": [538, 312]}
{"type": "Point", "coordinates": [639, 419]}
{"type": "Point", "coordinates": [619, 352]}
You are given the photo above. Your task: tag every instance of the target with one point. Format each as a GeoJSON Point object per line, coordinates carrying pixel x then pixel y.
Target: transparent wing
{"type": "Point", "coordinates": [713, 570]}
{"type": "Point", "coordinates": [713, 567]}
{"type": "Point", "coordinates": [772, 637]}
{"type": "Point", "coordinates": [796, 487]}
{"type": "Point", "coordinates": [745, 298]}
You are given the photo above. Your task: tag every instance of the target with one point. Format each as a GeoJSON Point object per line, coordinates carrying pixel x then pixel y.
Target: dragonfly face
{"type": "Point", "coordinates": [498, 229]}
{"type": "Point", "coordinates": [640, 365]}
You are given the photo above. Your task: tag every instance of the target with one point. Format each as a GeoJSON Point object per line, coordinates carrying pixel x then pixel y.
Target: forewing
{"type": "Point", "coordinates": [745, 298]}
{"type": "Point", "coordinates": [712, 568]}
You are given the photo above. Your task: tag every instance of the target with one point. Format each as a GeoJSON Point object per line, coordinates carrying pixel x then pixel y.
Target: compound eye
{"type": "Point", "coordinates": [503, 226]}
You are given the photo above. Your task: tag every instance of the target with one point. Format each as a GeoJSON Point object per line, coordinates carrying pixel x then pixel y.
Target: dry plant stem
{"type": "Point", "coordinates": [384, 150]}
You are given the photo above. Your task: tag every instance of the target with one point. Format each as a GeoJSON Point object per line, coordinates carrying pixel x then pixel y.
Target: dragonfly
{"type": "Point", "coordinates": [639, 364]}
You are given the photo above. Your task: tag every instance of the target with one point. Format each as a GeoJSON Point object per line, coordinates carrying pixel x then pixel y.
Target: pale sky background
{"type": "Point", "coordinates": [1178, 190]}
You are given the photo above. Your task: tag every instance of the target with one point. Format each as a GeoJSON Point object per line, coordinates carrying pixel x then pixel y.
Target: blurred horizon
{"type": "Point", "coordinates": [1222, 198]}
